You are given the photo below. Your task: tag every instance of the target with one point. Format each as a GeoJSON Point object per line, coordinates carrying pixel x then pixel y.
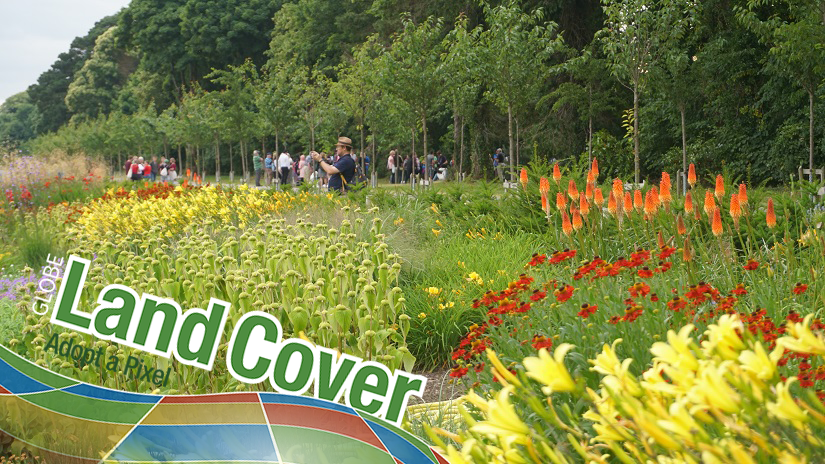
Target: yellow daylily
{"type": "Point", "coordinates": [785, 407]}
{"type": "Point", "coordinates": [723, 337]}
{"type": "Point", "coordinates": [802, 340]}
{"type": "Point", "coordinates": [758, 362]}
{"type": "Point", "coordinates": [502, 373]}
{"type": "Point", "coordinates": [676, 351]}
{"type": "Point", "coordinates": [550, 371]}
{"type": "Point", "coordinates": [502, 419]}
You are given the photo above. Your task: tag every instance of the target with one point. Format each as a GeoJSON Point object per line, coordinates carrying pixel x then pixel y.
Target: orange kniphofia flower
{"type": "Point", "coordinates": [687, 255]}
{"type": "Point", "coordinates": [566, 227]}
{"type": "Point", "coordinates": [735, 210]}
{"type": "Point", "coordinates": [556, 173]}
{"type": "Point", "coordinates": [598, 198]}
{"type": "Point", "coordinates": [664, 189]}
{"type": "Point", "coordinates": [591, 176]}
{"type": "Point", "coordinates": [611, 203]}
{"type": "Point", "coordinates": [523, 178]}
{"type": "Point", "coordinates": [716, 226]}
{"type": "Point", "coordinates": [545, 205]}
{"type": "Point", "coordinates": [660, 240]}
{"type": "Point", "coordinates": [720, 187]}
{"type": "Point", "coordinates": [628, 203]}
{"type": "Point", "coordinates": [691, 175]}
{"type": "Point", "coordinates": [680, 225]}
{"type": "Point", "coordinates": [650, 203]}
{"type": "Point", "coordinates": [710, 205]}
{"type": "Point", "coordinates": [188, 173]}
{"type": "Point", "coordinates": [588, 190]}
{"type": "Point", "coordinates": [770, 217]}
{"type": "Point", "coordinates": [655, 195]}
{"type": "Point", "coordinates": [617, 188]}
{"type": "Point", "coordinates": [577, 219]}
{"type": "Point", "coordinates": [544, 185]}
{"type": "Point", "coordinates": [572, 191]}
{"type": "Point", "coordinates": [638, 201]}
{"type": "Point", "coordinates": [688, 203]}
{"type": "Point", "coordinates": [584, 205]}
{"type": "Point", "coordinates": [743, 195]}
{"type": "Point", "coordinates": [594, 166]}
{"type": "Point", "coordinates": [561, 202]}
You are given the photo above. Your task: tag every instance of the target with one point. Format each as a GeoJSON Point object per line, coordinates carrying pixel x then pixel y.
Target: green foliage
{"type": "Point", "coordinates": [19, 119]}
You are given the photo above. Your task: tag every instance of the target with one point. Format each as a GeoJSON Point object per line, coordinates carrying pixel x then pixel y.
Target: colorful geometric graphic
{"type": "Point", "coordinates": [71, 422]}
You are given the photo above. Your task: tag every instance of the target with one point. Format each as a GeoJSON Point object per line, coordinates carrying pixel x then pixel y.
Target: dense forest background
{"type": "Point", "coordinates": [643, 85]}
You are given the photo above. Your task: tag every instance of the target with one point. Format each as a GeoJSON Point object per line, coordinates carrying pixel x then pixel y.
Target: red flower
{"type": "Point", "coordinates": [666, 252]}
{"type": "Point", "coordinates": [540, 342]}
{"type": "Point", "coordinates": [537, 259]}
{"type": "Point", "coordinates": [458, 372]}
{"type": "Point", "coordinates": [739, 290]}
{"type": "Point", "coordinates": [538, 295]}
{"type": "Point", "coordinates": [587, 310]}
{"type": "Point", "coordinates": [800, 288]}
{"type": "Point", "coordinates": [676, 304]}
{"type": "Point", "coordinates": [559, 256]}
{"type": "Point", "coordinates": [752, 265]}
{"type": "Point", "coordinates": [644, 272]}
{"type": "Point", "coordinates": [639, 289]}
{"type": "Point", "coordinates": [459, 354]}
{"type": "Point", "coordinates": [564, 294]}
{"type": "Point", "coordinates": [654, 298]}
{"type": "Point", "coordinates": [479, 367]}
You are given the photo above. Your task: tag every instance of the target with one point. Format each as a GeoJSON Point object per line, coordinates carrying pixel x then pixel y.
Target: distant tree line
{"type": "Point", "coordinates": [645, 86]}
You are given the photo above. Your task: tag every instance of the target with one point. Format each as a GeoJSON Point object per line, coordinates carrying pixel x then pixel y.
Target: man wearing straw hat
{"type": "Point", "coordinates": [342, 172]}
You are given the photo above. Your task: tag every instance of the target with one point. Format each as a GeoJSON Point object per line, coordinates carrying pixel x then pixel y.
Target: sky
{"type": "Point", "coordinates": [34, 32]}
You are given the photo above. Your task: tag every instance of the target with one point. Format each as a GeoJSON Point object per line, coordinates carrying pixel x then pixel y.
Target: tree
{"type": "Point", "coordinates": [515, 47]}
{"type": "Point", "coordinates": [462, 68]}
{"type": "Point", "coordinates": [18, 120]}
{"type": "Point", "coordinates": [313, 91]}
{"type": "Point", "coordinates": [410, 69]}
{"type": "Point", "coordinates": [49, 93]}
{"type": "Point", "coordinates": [275, 94]}
{"type": "Point", "coordinates": [237, 101]}
{"type": "Point", "coordinates": [636, 35]}
{"type": "Point", "coordinates": [95, 86]}
{"type": "Point", "coordinates": [796, 39]}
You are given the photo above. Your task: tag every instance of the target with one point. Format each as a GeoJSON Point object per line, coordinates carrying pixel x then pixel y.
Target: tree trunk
{"type": "Point", "coordinates": [217, 158]}
{"type": "Point", "coordinates": [636, 132]}
{"type": "Point", "coordinates": [474, 157]}
{"type": "Point", "coordinates": [811, 134]}
{"type": "Point", "coordinates": [165, 146]}
{"type": "Point", "coordinates": [426, 164]}
{"type": "Point", "coordinates": [244, 164]}
{"type": "Point", "coordinates": [412, 161]}
{"type": "Point", "coordinates": [684, 147]}
{"type": "Point", "coordinates": [455, 133]}
{"type": "Point", "coordinates": [361, 158]}
{"type": "Point", "coordinates": [276, 152]}
{"type": "Point", "coordinates": [590, 124]}
{"type": "Point", "coordinates": [510, 135]}
{"type": "Point", "coordinates": [231, 163]}
{"type": "Point", "coordinates": [461, 158]}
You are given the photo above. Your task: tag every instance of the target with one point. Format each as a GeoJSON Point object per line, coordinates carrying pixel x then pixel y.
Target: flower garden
{"type": "Point", "coordinates": [582, 319]}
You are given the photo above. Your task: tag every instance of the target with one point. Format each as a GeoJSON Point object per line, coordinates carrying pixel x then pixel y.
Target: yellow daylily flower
{"type": "Point", "coordinates": [723, 337]}
{"type": "Point", "coordinates": [758, 362]}
{"type": "Point", "coordinates": [502, 373]}
{"type": "Point", "coordinates": [676, 351]}
{"type": "Point", "coordinates": [502, 419]}
{"type": "Point", "coordinates": [550, 371]}
{"type": "Point", "coordinates": [802, 340]}
{"type": "Point", "coordinates": [785, 407]}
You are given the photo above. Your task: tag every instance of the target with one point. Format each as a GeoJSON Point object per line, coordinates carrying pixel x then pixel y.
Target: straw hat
{"type": "Point", "coordinates": [345, 141]}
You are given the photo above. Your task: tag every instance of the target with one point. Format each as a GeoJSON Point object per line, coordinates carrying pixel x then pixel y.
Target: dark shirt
{"type": "Point", "coordinates": [346, 167]}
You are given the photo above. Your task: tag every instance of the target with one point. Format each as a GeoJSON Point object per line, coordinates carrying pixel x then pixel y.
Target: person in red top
{"type": "Point", "coordinates": [147, 171]}
{"type": "Point", "coordinates": [173, 170]}
{"type": "Point", "coordinates": [137, 169]}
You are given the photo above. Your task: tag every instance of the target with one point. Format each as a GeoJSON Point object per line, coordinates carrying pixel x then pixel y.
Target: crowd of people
{"type": "Point", "coordinates": [138, 169]}
{"type": "Point", "coordinates": [284, 169]}
{"type": "Point", "coordinates": [433, 167]}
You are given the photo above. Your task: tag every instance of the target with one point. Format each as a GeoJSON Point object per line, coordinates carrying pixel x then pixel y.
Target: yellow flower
{"type": "Point", "coordinates": [422, 315]}
{"type": "Point", "coordinates": [434, 208]}
{"type": "Point", "coordinates": [474, 277]}
{"type": "Point", "coordinates": [607, 363]}
{"type": "Point", "coordinates": [785, 407]}
{"type": "Point", "coordinates": [502, 420]}
{"type": "Point", "coordinates": [676, 351]}
{"type": "Point", "coordinates": [550, 371]}
{"type": "Point", "coordinates": [399, 221]}
{"type": "Point", "coordinates": [723, 337]}
{"type": "Point", "coordinates": [436, 232]}
{"type": "Point", "coordinates": [461, 264]}
{"type": "Point", "coordinates": [647, 423]}
{"type": "Point", "coordinates": [680, 421]}
{"type": "Point", "coordinates": [433, 291]}
{"type": "Point", "coordinates": [501, 272]}
{"type": "Point", "coordinates": [501, 372]}
{"type": "Point", "coordinates": [802, 340]}
{"type": "Point", "coordinates": [438, 223]}
{"type": "Point", "coordinates": [713, 390]}
{"type": "Point", "coordinates": [759, 362]}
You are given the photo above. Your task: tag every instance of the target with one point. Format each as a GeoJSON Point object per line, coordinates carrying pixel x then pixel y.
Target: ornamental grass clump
{"type": "Point", "coordinates": [716, 399]}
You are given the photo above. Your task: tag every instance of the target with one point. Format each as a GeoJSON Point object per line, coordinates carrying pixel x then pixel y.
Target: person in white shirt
{"type": "Point", "coordinates": [284, 165]}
